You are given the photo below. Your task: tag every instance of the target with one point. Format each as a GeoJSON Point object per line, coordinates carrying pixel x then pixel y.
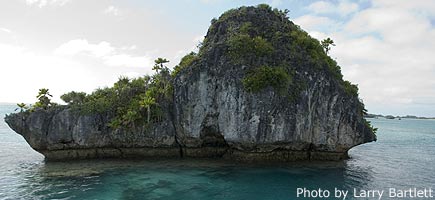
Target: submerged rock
{"type": "Point", "coordinates": [307, 113]}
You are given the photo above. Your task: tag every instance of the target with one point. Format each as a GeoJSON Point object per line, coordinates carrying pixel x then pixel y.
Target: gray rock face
{"type": "Point", "coordinates": [60, 133]}
{"type": "Point", "coordinates": [213, 115]}
{"type": "Point", "coordinates": [211, 102]}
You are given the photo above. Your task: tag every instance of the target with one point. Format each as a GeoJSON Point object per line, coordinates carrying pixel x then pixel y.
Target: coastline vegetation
{"type": "Point", "coordinates": [128, 103]}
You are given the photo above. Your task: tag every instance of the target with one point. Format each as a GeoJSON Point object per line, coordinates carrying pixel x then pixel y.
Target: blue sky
{"type": "Point", "coordinates": [384, 46]}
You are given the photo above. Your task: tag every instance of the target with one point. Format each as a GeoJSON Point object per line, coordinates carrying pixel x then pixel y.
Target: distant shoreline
{"type": "Point", "coordinates": [396, 117]}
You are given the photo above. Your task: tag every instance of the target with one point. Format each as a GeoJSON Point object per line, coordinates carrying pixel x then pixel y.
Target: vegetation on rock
{"type": "Point", "coordinates": [186, 61]}
{"type": "Point", "coordinates": [22, 107]}
{"type": "Point", "coordinates": [263, 77]}
{"type": "Point", "coordinates": [129, 102]}
{"type": "Point", "coordinates": [44, 100]}
{"type": "Point", "coordinates": [74, 98]}
{"type": "Point", "coordinates": [326, 44]}
{"type": "Point", "coordinates": [243, 47]}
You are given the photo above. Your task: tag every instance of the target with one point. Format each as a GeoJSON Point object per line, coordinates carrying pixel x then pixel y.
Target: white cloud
{"type": "Point", "coordinates": [194, 48]}
{"type": "Point", "coordinates": [105, 52]}
{"type": "Point", "coordinates": [387, 50]}
{"type": "Point", "coordinates": [318, 35]}
{"type": "Point", "coordinates": [62, 71]}
{"type": "Point", "coordinates": [112, 10]}
{"type": "Point", "coordinates": [321, 7]}
{"type": "Point", "coordinates": [126, 60]}
{"type": "Point", "coordinates": [42, 3]}
{"type": "Point", "coordinates": [422, 7]}
{"type": "Point", "coordinates": [396, 24]}
{"type": "Point", "coordinates": [346, 7]}
{"type": "Point", "coordinates": [5, 30]}
{"type": "Point", "coordinates": [209, 1]}
{"type": "Point", "coordinates": [78, 46]}
{"type": "Point", "coordinates": [343, 7]}
{"type": "Point", "coordinates": [132, 47]}
{"type": "Point", "coordinates": [314, 22]}
{"type": "Point", "coordinates": [26, 71]}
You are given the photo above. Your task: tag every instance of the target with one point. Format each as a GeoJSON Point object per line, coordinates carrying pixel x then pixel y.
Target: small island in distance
{"type": "Point", "coordinates": [370, 115]}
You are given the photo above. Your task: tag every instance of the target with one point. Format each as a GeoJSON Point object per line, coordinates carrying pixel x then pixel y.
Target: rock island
{"type": "Point", "coordinates": [259, 89]}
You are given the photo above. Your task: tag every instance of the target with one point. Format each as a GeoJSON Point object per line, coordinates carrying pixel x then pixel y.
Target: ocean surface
{"type": "Point", "coordinates": [402, 158]}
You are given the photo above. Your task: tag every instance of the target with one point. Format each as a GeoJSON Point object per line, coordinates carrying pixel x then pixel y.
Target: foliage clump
{"type": "Point", "coordinates": [44, 99]}
{"type": "Point", "coordinates": [350, 89]}
{"type": "Point", "coordinates": [44, 102]}
{"type": "Point", "coordinates": [243, 47]}
{"type": "Point", "coordinates": [303, 45]}
{"type": "Point", "coordinates": [74, 98]}
{"type": "Point", "coordinates": [186, 61]}
{"type": "Point", "coordinates": [370, 126]}
{"type": "Point", "coordinates": [22, 107]}
{"type": "Point", "coordinates": [129, 102]}
{"type": "Point", "coordinates": [326, 44]}
{"type": "Point", "coordinates": [263, 77]}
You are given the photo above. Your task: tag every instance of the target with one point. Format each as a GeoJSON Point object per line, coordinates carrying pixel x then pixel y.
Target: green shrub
{"type": "Point", "coordinates": [263, 77]}
{"type": "Point", "coordinates": [186, 61]}
{"type": "Point", "coordinates": [74, 97]}
{"type": "Point", "coordinates": [264, 6]}
{"type": "Point", "coordinates": [44, 100]}
{"type": "Point", "coordinates": [129, 102]}
{"type": "Point", "coordinates": [370, 126]}
{"type": "Point", "coordinates": [102, 100]}
{"type": "Point", "coordinates": [350, 89]}
{"type": "Point", "coordinates": [242, 48]}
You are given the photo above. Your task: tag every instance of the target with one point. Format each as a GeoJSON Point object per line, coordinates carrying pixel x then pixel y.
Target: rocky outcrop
{"type": "Point", "coordinates": [61, 133]}
{"type": "Point", "coordinates": [213, 115]}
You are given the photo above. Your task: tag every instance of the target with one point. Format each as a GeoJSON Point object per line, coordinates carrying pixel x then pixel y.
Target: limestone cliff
{"type": "Point", "coordinates": [313, 114]}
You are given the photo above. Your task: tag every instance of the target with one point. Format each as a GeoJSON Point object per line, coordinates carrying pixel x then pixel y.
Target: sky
{"type": "Point", "coordinates": [385, 47]}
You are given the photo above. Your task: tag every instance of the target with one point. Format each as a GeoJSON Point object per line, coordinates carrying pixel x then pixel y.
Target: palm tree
{"type": "Point", "coordinates": [22, 107]}
{"type": "Point", "coordinates": [43, 92]}
{"type": "Point", "coordinates": [130, 117]}
{"type": "Point", "coordinates": [326, 44]}
{"type": "Point", "coordinates": [146, 102]}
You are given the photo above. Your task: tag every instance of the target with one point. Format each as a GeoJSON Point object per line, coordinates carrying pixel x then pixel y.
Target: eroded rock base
{"type": "Point", "coordinates": [206, 152]}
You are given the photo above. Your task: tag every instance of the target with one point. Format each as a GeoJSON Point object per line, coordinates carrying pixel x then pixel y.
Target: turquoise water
{"type": "Point", "coordinates": [403, 157]}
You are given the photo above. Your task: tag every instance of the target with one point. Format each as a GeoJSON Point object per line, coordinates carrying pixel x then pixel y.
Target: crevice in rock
{"type": "Point", "coordinates": [172, 118]}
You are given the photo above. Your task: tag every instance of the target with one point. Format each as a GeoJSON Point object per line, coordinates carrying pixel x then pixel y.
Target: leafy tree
{"type": "Point", "coordinates": [158, 64]}
{"type": "Point", "coordinates": [326, 44]}
{"type": "Point", "coordinates": [264, 6]}
{"type": "Point", "coordinates": [44, 100]}
{"type": "Point", "coordinates": [74, 98]}
{"type": "Point", "coordinates": [22, 106]}
{"type": "Point", "coordinates": [130, 117]}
